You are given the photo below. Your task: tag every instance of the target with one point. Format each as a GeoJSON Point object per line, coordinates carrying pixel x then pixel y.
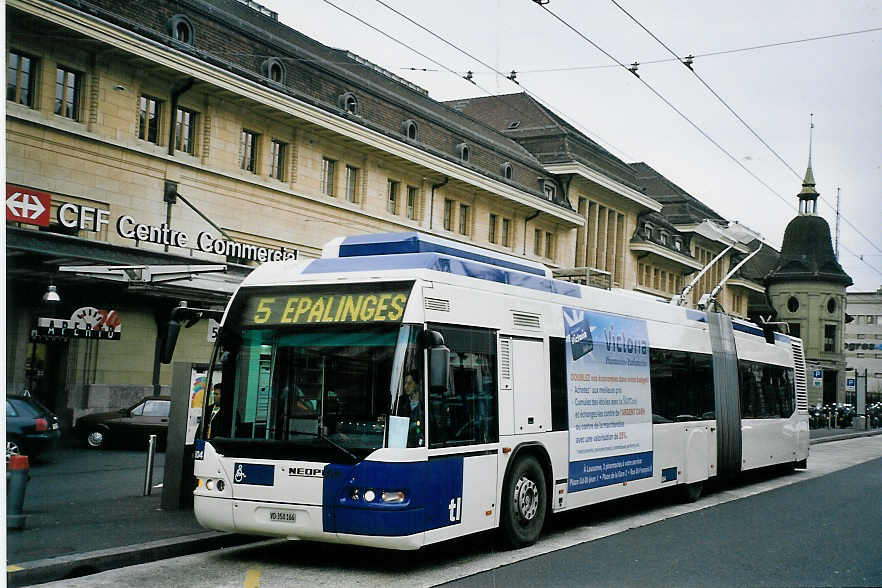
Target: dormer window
{"type": "Point", "coordinates": [514, 124]}
{"type": "Point", "coordinates": [409, 128]}
{"type": "Point", "coordinates": [548, 190]}
{"type": "Point", "coordinates": [349, 103]}
{"type": "Point", "coordinates": [647, 231]}
{"type": "Point", "coordinates": [273, 69]}
{"type": "Point", "coordinates": [464, 152]}
{"type": "Point", "coordinates": [507, 171]}
{"type": "Point", "coordinates": [678, 243]}
{"type": "Point", "coordinates": [663, 237]}
{"type": "Point", "coordinates": [180, 29]}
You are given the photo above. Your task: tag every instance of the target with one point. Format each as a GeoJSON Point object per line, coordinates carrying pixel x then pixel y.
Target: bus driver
{"type": "Point", "coordinates": [410, 404]}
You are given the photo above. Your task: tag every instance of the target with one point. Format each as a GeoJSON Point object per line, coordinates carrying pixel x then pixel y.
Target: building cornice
{"type": "Point", "coordinates": [667, 254]}
{"type": "Point", "coordinates": [192, 67]}
{"type": "Point", "coordinates": [747, 284]}
{"type": "Point", "coordinates": [589, 174]}
{"type": "Point", "coordinates": [712, 233]}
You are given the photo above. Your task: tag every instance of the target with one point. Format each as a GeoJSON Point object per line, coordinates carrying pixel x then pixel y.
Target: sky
{"type": "Point", "coordinates": [774, 90]}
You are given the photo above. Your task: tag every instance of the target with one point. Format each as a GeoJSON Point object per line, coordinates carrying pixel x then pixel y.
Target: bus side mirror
{"type": "Point", "coordinates": [439, 360]}
{"type": "Point", "coordinates": [171, 339]}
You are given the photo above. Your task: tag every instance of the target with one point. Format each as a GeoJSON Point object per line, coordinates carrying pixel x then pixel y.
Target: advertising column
{"type": "Point", "coordinates": [610, 400]}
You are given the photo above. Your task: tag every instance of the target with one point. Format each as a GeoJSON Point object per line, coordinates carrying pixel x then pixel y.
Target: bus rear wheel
{"type": "Point", "coordinates": [524, 503]}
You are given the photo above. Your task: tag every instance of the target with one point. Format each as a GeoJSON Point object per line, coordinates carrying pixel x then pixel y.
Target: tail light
{"type": "Point", "coordinates": [42, 424]}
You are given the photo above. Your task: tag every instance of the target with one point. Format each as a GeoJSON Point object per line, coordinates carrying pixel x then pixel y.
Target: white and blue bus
{"type": "Point", "coordinates": [405, 389]}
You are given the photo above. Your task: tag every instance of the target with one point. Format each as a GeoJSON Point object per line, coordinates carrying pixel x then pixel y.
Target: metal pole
{"type": "Point", "coordinates": [148, 474]}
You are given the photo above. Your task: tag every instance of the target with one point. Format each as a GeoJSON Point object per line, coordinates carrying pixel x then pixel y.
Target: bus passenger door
{"type": "Point", "coordinates": [532, 403]}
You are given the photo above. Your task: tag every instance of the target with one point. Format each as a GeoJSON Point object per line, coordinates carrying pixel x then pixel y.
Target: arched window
{"type": "Point", "coordinates": [507, 171]}
{"type": "Point", "coordinates": [349, 102]}
{"type": "Point", "coordinates": [274, 69]}
{"type": "Point", "coordinates": [410, 129]}
{"type": "Point", "coordinates": [831, 305]}
{"type": "Point", "coordinates": [793, 304]}
{"type": "Point", "coordinates": [464, 152]}
{"type": "Point", "coordinates": [180, 29]}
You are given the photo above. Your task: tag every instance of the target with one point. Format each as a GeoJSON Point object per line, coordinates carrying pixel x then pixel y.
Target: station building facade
{"type": "Point", "coordinates": [152, 137]}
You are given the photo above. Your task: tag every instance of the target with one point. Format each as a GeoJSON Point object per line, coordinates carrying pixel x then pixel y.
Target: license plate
{"type": "Point", "coordinates": [282, 516]}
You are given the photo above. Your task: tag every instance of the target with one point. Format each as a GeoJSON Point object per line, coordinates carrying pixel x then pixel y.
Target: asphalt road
{"type": "Point", "coordinates": [823, 532]}
{"type": "Point", "coordinates": [763, 531]}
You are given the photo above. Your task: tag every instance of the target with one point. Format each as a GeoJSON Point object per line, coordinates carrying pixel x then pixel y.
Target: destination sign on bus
{"type": "Point", "coordinates": [322, 307]}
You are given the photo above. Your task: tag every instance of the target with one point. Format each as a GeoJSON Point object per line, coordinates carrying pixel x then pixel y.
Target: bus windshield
{"type": "Point", "coordinates": [321, 385]}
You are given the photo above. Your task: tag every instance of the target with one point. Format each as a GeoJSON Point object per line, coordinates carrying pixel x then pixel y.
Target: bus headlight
{"type": "Point", "coordinates": [209, 484]}
{"type": "Point", "coordinates": [369, 495]}
{"type": "Point", "coordinates": [396, 496]}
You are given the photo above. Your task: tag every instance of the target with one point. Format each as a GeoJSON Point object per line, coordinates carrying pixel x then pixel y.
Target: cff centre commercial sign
{"type": "Point", "coordinates": [33, 207]}
{"type": "Point", "coordinates": [610, 399]}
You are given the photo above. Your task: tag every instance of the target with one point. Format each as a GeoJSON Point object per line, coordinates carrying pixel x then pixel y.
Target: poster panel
{"type": "Point", "coordinates": [610, 399]}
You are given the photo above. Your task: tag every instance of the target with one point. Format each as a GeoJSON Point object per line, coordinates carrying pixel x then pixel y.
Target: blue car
{"type": "Point", "coordinates": [30, 428]}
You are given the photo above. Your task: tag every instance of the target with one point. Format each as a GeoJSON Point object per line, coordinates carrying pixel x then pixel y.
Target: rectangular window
{"type": "Point", "coordinates": [278, 151]}
{"type": "Point", "coordinates": [185, 131]}
{"type": "Point", "coordinates": [392, 201]}
{"type": "Point", "coordinates": [794, 329]}
{"type": "Point", "coordinates": [148, 119]}
{"type": "Point", "coordinates": [491, 233]}
{"type": "Point", "coordinates": [328, 167]}
{"type": "Point", "coordinates": [20, 78]}
{"type": "Point", "coordinates": [767, 391]}
{"type": "Point", "coordinates": [467, 413]}
{"type": "Point", "coordinates": [411, 202]}
{"type": "Point", "coordinates": [463, 219]}
{"type": "Point", "coordinates": [506, 232]}
{"type": "Point", "coordinates": [448, 214]}
{"type": "Point", "coordinates": [248, 151]}
{"type": "Point", "coordinates": [830, 338]}
{"type": "Point", "coordinates": [557, 349]}
{"type": "Point", "coordinates": [351, 183]}
{"type": "Point", "coordinates": [537, 241]}
{"type": "Point", "coordinates": [67, 93]}
{"type": "Point", "coordinates": [549, 245]}
{"type": "Point", "coordinates": [682, 385]}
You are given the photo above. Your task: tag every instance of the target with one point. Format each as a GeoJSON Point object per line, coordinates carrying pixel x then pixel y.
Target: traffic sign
{"type": "Point", "coordinates": [817, 374]}
{"type": "Point", "coordinates": [27, 206]}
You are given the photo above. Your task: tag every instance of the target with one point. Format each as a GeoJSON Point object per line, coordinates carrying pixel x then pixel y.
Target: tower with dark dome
{"type": "Point", "coordinates": [807, 291]}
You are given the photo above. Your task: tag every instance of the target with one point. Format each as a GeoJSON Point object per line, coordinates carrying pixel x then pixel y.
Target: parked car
{"type": "Point", "coordinates": [31, 429]}
{"type": "Point", "coordinates": [131, 425]}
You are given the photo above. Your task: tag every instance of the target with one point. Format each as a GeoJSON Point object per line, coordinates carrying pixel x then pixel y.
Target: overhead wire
{"type": "Point", "coordinates": [502, 74]}
{"type": "Point", "coordinates": [694, 56]}
{"type": "Point", "coordinates": [736, 115]}
{"type": "Point", "coordinates": [681, 113]}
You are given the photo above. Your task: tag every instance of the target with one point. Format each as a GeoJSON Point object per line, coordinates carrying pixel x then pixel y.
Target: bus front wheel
{"type": "Point", "coordinates": [524, 503]}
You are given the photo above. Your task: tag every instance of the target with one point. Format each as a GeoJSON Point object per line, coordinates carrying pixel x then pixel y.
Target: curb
{"type": "Point", "coordinates": [92, 562]}
{"type": "Point", "coordinates": [842, 437]}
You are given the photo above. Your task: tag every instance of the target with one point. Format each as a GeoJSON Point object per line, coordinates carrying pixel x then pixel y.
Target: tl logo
{"type": "Point", "coordinates": [455, 508]}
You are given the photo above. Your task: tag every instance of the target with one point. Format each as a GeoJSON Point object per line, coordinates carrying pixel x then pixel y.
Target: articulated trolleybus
{"type": "Point", "coordinates": [405, 389]}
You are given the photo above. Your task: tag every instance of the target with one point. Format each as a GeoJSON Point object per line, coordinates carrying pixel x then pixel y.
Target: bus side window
{"type": "Point", "coordinates": [468, 412]}
{"type": "Point", "coordinates": [558, 366]}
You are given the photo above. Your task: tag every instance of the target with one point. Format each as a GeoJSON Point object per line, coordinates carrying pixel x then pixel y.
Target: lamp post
{"type": "Point", "coordinates": [50, 301]}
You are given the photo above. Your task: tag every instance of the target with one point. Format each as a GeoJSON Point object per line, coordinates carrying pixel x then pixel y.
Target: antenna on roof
{"type": "Point", "coordinates": [837, 224]}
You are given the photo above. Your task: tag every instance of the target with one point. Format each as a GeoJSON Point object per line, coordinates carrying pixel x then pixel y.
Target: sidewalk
{"type": "Point", "coordinates": [85, 514]}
